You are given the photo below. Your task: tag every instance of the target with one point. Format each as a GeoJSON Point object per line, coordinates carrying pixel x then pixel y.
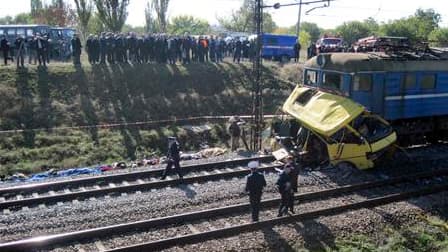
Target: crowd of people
{"type": "Point", "coordinates": [39, 49]}
{"type": "Point", "coordinates": [114, 48]}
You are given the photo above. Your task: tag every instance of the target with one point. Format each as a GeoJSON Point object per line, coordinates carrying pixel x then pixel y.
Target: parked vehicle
{"type": "Point", "coordinates": [329, 44]}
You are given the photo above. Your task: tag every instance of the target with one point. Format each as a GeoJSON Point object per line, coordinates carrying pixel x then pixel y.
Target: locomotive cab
{"type": "Point", "coordinates": [337, 130]}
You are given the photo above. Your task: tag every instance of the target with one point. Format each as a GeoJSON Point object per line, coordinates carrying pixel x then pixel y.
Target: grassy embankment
{"type": "Point", "coordinates": [63, 95]}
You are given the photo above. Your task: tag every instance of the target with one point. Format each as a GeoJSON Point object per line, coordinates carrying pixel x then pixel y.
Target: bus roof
{"type": "Point", "coordinates": [22, 25]}
{"type": "Point", "coordinates": [372, 62]}
{"type": "Point", "coordinates": [321, 112]}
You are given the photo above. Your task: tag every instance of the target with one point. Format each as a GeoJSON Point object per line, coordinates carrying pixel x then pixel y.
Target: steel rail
{"type": "Point", "coordinates": [237, 229]}
{"type": "Point", "coordinates": [47, 199]}
{"type": "Point", "coordinates": [56, 185]}
{"type": "Point", "coordinates": [49, 240]}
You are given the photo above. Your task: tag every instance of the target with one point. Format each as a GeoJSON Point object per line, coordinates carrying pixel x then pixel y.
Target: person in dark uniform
{"type": "Point", "coordinates": [76, 47]}
{"type": "Point", "coordinates": [173, 158]}
{"type": "Point", "coordinates": [40, 48]}
{"type": "Point", "coordinates": [237, 51]}
{"type": "Point", "coordinates": [284, 187]}
{"type": "Point", "coordinates": [4, 45]}
{"type": "Point", "coordinates": [297, 48]}
{"type": "Point", "coordinates": [294, 175]}
{"type": "Point", "coordinates": [96, 49]}
{"type": "Point", "coordinates": [254, 186]}
{"type": "Point", "coordinates": [90, 49]}
{"type": "Point", "coordinates": [103, 48]}
{"type": "Point", "coordinates": [20, 45]}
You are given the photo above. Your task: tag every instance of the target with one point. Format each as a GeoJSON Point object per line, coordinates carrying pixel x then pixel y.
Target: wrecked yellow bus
{"type": "Point", "coordinates": [336, 130]}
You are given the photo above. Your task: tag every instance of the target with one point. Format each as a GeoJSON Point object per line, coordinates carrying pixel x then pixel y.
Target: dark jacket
{"type": "Point", "coordinates": [283, 183]}
{"type": "Point", "coordinates": [4, 45]}
{"type": "Point", "coordinates": [173, 150]}
{"type": "Point", "coordinates": [255, 183]}
{"type": "Point", "coordinates": [76, 46]}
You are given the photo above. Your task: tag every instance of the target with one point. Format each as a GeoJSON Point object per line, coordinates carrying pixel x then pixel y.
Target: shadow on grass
{"type": "Point", "coordinates": [90, 117]}
{"type": "Point", "coordinates": [26, 118]}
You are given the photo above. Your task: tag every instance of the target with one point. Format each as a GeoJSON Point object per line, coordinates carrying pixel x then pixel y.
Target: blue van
{"type": "Point", "coordinates": [278, 47]}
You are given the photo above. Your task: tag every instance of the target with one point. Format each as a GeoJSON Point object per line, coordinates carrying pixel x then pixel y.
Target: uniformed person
{"type": "Point", "coordinates": [173, 158]}
{"type": "Point", "coordinates": [285, 190]}
{"type": "Point", "coordinates": [76, 47]}
{"type": "Point", "coordinates": [5, 49]}
{"type": "Point", "coordinates": [90, 49]}
{"type": "Point", "coordinates": [20, 45]}
{"type": "Point", "coordinates": [254, 186]}
{"type": "Point", "coordinates": [294, 175]}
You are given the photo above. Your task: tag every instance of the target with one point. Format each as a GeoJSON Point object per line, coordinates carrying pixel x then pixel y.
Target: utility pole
{"type": "Point", "coordinates": [298, 20]}
{"type": "Point", "coordinates": [257, 95]}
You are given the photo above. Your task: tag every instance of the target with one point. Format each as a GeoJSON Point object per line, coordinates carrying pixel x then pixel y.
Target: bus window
{"type": "Point", "coordinates": [20, 31]}
{"type": "Point", "coordinates": [271, 41]}
{"type": "Point", "coordinates": [332, 80]}
{"type": "Point", "coordinates": [310, 77]}
{"type": "Point", "coordinates": [29, 32]}
{"type": "Point", "coordinates": [362, 82]}
{"type": "Point", "coordinates": [9, 32]}
{"type": "Point", "coordinates": [2, 31]}
{"type": "Point", "coordinates": [408, 81]}
{"type": "Point", "coordinates": [428, 81]}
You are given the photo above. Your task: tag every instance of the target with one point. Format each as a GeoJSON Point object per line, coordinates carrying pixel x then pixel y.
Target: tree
{"type": "Point", "coordinates": [352, 31]}
{"type": "Point", "coordinates": [83, 14]}
{"type": "Point", "coordinates": [181, 24]}
{"type": "Point", "coordinates": [150, 22]}
{"type": "Point", "coordinates": [242, 20]}
{"type": "Point", "coordinates": [95, 25]}
{"type": "Point", "coordinates": [161, 8]}
{"type": "Point", "coordinates": [311, 28]}
{"type": "Point", "coordinates": [439, 37]}
{"type": "Point", "coordinates": [112, 13]}
{"type": "Point", "coordinates": [416, 27]}
{"type": "Point", "coordinates": [56, 13]}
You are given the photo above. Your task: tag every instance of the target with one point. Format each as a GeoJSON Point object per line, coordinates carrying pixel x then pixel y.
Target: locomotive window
{"type": "Point", "coordinates": [362, 82]}
{"type": "Point", "coordinates": [409, 81]}
{"type": "Point", "coordinates": [428, 81]}
{"type": "Point", "coordinates": [332, 80]}
{"type": "Point", "coordinates": [310, 77]}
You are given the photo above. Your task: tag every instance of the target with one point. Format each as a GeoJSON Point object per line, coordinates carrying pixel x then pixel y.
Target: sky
{"type": "Point", "coordinates": [338, 12]}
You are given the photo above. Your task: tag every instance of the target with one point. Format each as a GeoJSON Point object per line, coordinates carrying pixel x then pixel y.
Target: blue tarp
{"type": "Point", "coordinates": [63, 173]}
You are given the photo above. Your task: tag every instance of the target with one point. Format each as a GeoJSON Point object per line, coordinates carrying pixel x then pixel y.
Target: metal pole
{"type": "Point", "coordinates": [257, 106]}
{"type": "Point", "coordinates": [298, 20]}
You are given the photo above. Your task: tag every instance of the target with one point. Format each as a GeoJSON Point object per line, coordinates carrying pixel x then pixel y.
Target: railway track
{"type": "Point", "coordinates": [83, 188]}
{"type": "Point", "coordinates": [223, 212]}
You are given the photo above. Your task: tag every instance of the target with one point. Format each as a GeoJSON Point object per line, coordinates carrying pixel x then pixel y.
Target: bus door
{"type": "Point", "coordinates": [362, 90]}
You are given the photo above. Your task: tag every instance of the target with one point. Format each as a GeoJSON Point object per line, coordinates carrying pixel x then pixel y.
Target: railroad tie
{"type": "Point", "coordinates": [193, 229]}
{"type": "Point", "coordinates": [140, 181]}
{"type": "Point", "coordinates": [125, 183]}
{"type": "Point", "coordinates": [97, 187]}
{"type": "Point", "coordinates": [19, 197]}
{"type": "Point", "coordinates": [99, 245]}
{"type": "Point", "coordinates": [6, 211]}
{"type": "Point", "coordinates": [112, 185]}
{"type": "Point", "coordinates": [35, 195]}
{"type": "Point", "coordinates": [2, 199]}
{"type": "Point", "coordinates": [67, 190]}
{"type": "Point", "coordinates": [42, 206]}
{"type": "Point", "coordinates": [51, 193]}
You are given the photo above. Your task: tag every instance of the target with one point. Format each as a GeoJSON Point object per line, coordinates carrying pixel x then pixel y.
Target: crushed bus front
{"type": "Point", "coordinates": [336, 130]}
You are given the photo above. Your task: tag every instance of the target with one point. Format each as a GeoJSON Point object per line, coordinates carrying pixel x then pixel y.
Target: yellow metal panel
{"type": "Point", "coordinates": [351, 153]}
{"type": "Point", "coordinates": [384, 142]}
{"type": "Point", "coordinates": [323, 113]}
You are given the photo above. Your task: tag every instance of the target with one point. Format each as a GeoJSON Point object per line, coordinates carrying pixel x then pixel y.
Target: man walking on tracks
{"type": "Point", "coordinates": [286, 193]}
{"type": "Point", "coordinates": [173, 158]}
{"type": "Point", "coordinates": [254, 186]}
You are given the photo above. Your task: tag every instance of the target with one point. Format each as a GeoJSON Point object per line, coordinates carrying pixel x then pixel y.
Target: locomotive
{"type": "Point", "coordinates": [403, 93]}
{"type": "Point", "coordinates": [407, 88]}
